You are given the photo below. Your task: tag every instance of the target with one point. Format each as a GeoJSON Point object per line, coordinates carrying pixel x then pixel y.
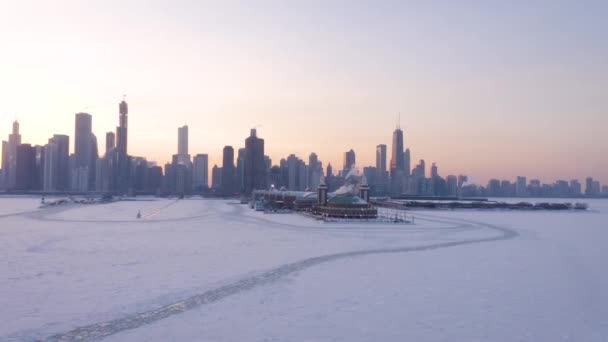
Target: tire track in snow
{"type": "Point", "coordinates": [99, 331]}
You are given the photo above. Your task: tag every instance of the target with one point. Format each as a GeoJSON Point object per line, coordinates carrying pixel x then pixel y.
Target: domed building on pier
{"type": "Point", "coordinates": [344, 205]}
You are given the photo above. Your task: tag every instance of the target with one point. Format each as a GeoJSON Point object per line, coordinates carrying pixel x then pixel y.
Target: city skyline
{"type": "Point", "coordinates": [40, 167]}
{"type": "Point", "coordinates": [473, 97]}
{"type": "Point", "coordinates": [215, 158]}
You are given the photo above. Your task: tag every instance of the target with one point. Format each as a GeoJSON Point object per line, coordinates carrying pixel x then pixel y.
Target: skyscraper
{"type": "Point", "coordinates": [62, 180]}
{"type": "Point", "coordinates": [228, 171]}
{"type": "Point", "coordinates": [397, 152]}
{"type": "Point", "coordinates": [4, 166]}
{"type": "Point", "coordinates": [182, 140]}
{"type": "Point", "coordinates": [26, 167]}
{"type": "Point", "coordinates": [200, 174]}
{"type": "Point", "coordinates": [255, 168]}
{"type": "Point", "coordinates": [380, 160]}
{"type": "Point", "coordinates": [51, 168]}
{"type": "Point", "coordinates": [575, 188]}
{"type": "Point", "coordinates": [82, 139]}
{"type": "Point", "coordinates": [85, 151]}
{"type": "Point", "coordinates": [9, 167]}
{"type": "Point", "coordinates": [452, 185]}
{"type": "Point", "coordinates": [93, 162]}
{"type": "Point", "coordinates": [349, 161]}
{"type": "Point", "coordinates": [292, 172]}
{"type": "Point", "coordinates": [240, 170]}
{"type": "Point", "coordinates": [521, 187]}
{"type": "Point", "coordinates": [121, 172]}
{"type": "Point", "coordinates": [110, 141]}
{"type": "Point", "coordinates": [122, 129]}
{"type": "Point", "coordinates": [407, 162]}
{"type": "Point", "coordinates": [434, 171]}
{"type": "Point", "coordinates": [314, 171]}
{"type": "Point", "coordinates": [216, 177]}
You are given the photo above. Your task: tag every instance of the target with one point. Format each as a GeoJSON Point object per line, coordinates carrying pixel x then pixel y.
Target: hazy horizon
{"type": "Point", "coordinates": [486, 89]}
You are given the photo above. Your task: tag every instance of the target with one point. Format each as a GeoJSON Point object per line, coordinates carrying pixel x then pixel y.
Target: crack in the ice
{"type": "Point", "coordinates": [98, 331]}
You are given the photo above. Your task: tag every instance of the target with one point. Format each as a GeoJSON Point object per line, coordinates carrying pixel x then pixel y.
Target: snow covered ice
{"type": "Point", "coordinates": [210, 270]}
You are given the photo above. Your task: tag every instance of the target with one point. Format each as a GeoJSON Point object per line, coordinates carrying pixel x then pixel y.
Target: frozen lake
{"type": "Point", "coordinates": [210, 270]}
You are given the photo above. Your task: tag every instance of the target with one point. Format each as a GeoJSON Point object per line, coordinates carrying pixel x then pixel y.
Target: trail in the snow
{"type": "Point", "coordinates": [100, 330]}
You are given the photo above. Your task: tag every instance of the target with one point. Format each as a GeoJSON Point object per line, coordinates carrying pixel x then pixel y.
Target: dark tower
{"type": "Point", "coordinates": [110, 141]}
{"type": "Point", "coordinates": [228, 171]}
{"type": "Point", "coordinates": [121, 130]}
{"type": "Point", "coordinates": [82, 143]}
{"type": "Point", "coordinates": [397, 152]}
{"type": "Point", "coordinates": [255, 167]}
{"type": "Point", "coordinates": [26, 167]}
{"type": "Point", "coordinates": [349, 161]}
{"type": "Point", "coordinates": [85, 147]}
{"type": "Point", "coordinates": [63, 162]}
{"type": "Point", "coordinates": [407, 162]}
{"type": "Point", "coordinates": [122, 172]}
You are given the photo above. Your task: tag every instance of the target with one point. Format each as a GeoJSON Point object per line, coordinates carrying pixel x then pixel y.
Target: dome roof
{"type": "Point", "coordinates": [349, 199]}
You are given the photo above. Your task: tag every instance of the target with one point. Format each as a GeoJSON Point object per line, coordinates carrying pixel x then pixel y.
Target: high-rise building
{"type": "Point", "coordinates": [255, 168]}
{"type": "Point", "coordinates": [240, 170]}
{"type": "Point", "coordinates": [179, 176]}
{"type": "Point", "coordinates": [493, 187]}
{"type": "Point", "coordinates": [329, 171]}
{"type": "Point", "coordinates": [85, 151]}
{"type": "Point", "coordinates": [575, 188]}
{"type": "Point", "coordinates": [9, 159]}
{"type": "Point", "coordinates": [452, 185]}
{"type": "Point", "coordinates": [82, 139]}
{"type": "Point", "coordinates": [434, 171]}
{"type": "Point", "coordinates": [182, 140]}
{"type": "Point", "coordinates": [507, 188]}
{"type": "Point", "coordinates": [110, 141]}
{"type": "Point", "coordinates": [592, 187]}
{"type": "Point", "coordinates": [302, 175]}
{"type": "Point", "coordinates": [397, 152]}
{"type": "Point", "coordinates": [56, 165]}
{"type": "Point", "coordinates": [122, 129]}
{"type": "Point", "coordinates": [420, 170]}
{"type": "Point", "coordinates": [3, 167]}
{"type": "Point", "coordinates": [182, 156]}
{"type": "Point", "coordinates": [51, 166]}
{"type": "Point", "coordinates": [228, 171]}
{"type": "Point", "coordinates": [200, 176]}
{"type": "Point", "coordinates": [155, 179]}
{"type": "Point", "coordinates": [267, 164]}
{"type": "Point", "coordinates": [521, 187]}
{"type": "Point", "coordinates": [26, 167]}
{"type": "Point", "coordinates": [122, 172]}
{"type": "Point", "coordinates": [216, 177]}
{"type": "Point", "coordinates": [39, 153]}
{"type": "Point", "coordinates": [349, 161]}
{"type": "Point", "coordinates": [292, 171]}
{"type": "Point", "coordinates": [283, 175]}
{"type": "Point", "coordinates": [314, 171]}
{"type": "Point", "coordinates": [380, 160]}
{"type": "Point", "coordinates": [407, 162]}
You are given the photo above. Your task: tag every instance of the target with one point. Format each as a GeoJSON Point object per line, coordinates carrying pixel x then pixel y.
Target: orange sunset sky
{"type": "Point", "coordinates": [488, 89]}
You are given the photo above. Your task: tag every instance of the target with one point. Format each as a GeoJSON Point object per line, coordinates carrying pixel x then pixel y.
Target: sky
{"type": "Point", "coordinates": [491, 89]}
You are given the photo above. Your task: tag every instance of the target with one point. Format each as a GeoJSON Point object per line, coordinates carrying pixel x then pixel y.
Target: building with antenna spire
{"type": "Point", "coordinates": [122, 170]}
{"type": "Point", "coordinates": [397, 151]}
